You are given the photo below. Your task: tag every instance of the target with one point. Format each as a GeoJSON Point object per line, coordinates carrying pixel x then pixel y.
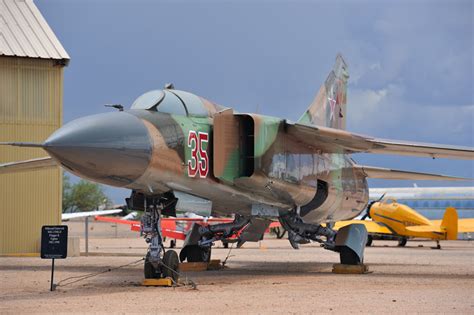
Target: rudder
{"type": "Point", "coordinates": [450, 223]}
{"type": "Point", "coordinates": [328, 109]}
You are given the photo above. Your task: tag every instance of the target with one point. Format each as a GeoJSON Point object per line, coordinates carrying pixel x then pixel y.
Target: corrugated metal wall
{"type": "Point", "coordinates": [30, 110]}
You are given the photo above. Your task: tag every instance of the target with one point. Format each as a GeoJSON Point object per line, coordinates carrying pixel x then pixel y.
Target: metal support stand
{"type": "Point", "coordinates": [86, 234]}
{"type": "Point", "coordinates": [52, 277]}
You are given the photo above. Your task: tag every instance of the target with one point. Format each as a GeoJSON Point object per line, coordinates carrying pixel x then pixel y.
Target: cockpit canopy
{"type": "Point", "coordinates": [148, 100]}
{"type": "Point", "coordinates": [172, 102]}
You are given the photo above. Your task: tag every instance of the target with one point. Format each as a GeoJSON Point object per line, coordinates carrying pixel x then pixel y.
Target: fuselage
{"type": "Point", "coordinates": [431, 201]}
{"type": "Point", "coordinates": [244, 163]}
{"type": "Point", "coordinates": [399, 218]}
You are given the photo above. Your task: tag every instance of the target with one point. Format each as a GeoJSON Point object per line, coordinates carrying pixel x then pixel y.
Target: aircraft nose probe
{"type": "Point", "coordinates": [112, 148]}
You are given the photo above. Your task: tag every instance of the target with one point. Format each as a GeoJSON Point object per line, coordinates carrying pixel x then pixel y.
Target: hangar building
{"type": "Point", "coordinates": [32, 61]}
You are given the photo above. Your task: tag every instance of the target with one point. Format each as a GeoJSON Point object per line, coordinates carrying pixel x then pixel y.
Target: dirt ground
{"type": "Point", "coordinates": [265, 277]}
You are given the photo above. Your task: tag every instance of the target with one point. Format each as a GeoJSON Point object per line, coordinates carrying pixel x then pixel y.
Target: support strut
{"type": "Point", "coordinates": [300, 232]}
{"type": "Point", "coordinates": [197, 246]}
{"type": "Point", "coordinates": [158, 263]}
{"type": "Point", "coordinates": [150, 229]}
{"type": "Point", "coordinates": [348, 241]}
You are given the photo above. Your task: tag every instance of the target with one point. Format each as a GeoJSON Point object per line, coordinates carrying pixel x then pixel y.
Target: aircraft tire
{"type": "Point", "coordinates": [348, 256]}
{"type": "Point", "coordinates": [171, 268]}
{"type": "Point", "coordinates": [369, 240]}
{"type": "Point", "coordinates": [402, 242]}
{"type": "Point", "coordinates": [195, 253]}
{"type": "Point", "coordinates": [225, 244]}
{"type": "Point", "coordinates": [149, 271]}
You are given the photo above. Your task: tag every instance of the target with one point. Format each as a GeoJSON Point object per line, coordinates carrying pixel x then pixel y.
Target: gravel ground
{"type": "Point", "coordinates": [265, 277]}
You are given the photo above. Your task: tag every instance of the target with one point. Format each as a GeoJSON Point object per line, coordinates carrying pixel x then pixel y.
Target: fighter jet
{"type": "Point", "coordinates": [256, 167]}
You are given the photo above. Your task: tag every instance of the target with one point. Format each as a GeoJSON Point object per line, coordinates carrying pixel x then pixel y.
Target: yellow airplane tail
{"type": "Point", "coordinates": [450, 223]}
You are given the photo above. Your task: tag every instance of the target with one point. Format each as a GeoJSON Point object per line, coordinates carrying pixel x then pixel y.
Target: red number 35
{"type": "Point", "coordinates": [199, 161]}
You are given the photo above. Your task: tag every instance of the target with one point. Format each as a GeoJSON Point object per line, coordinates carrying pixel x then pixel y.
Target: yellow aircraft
{"type": "Point", "coordinates": [392, 220]}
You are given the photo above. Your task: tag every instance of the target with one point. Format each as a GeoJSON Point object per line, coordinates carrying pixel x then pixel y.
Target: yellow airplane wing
{"type": "Point", "coordinates": [371, 226]}
{"type": "Point", "coordinates": [464, 225]}
{"type": "Point", "coordinates": [425, 228]}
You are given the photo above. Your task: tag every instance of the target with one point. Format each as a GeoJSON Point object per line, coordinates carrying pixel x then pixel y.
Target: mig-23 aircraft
{"type": "Point", "coordinates": [257, 167]}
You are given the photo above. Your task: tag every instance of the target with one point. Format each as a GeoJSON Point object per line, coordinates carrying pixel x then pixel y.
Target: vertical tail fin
{"type": "Point", "coordinates": [450, 223]}
{"type": "Point", "coordinates": [328, 109]}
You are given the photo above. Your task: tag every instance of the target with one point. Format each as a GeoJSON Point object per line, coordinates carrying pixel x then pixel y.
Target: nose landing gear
{"type": "Point", "coordinates": [158, 262]}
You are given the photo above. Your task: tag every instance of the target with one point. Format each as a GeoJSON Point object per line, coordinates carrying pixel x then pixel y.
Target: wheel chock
{"type": "Point", "coordinates": [214, 264]}
{"type": "Point", "coordinates": [161, 282]}
{"type": "Point", "coordinates": [350, 269]}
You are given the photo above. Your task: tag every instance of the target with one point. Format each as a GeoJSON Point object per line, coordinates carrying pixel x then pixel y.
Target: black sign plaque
{"type": "Point", "coordinates": [54, 241]}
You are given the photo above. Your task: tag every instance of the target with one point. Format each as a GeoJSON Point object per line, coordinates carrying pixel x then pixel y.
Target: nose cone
{"type": "Point", "coordinates": [111, 148]}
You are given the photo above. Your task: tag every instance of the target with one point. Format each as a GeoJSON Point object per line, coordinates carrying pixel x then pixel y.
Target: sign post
{"type": "Point", "coordinates": [53, 245]}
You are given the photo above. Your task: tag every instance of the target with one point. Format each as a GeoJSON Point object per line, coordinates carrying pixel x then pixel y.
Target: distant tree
{"type": "Point", "coordinates": [82, 196]}
{"type": "Point", "coordinates": [67, 193]}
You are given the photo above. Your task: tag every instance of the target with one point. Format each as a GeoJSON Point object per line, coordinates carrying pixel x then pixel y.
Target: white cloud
{"type": "Point", "coordinates": [388, 113]}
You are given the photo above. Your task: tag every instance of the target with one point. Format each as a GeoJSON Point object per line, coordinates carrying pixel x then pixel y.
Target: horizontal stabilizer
{"type": "Point", "coordinates": [425, 229]}
{"type": "Point", "coordinates": [331, 140]}
{"type": "Point", "coordinates": [464, 225]}
{"type": "Point", "coordinates": [386, 173]}
{"type": "Point", "coordinates": [28, 165]}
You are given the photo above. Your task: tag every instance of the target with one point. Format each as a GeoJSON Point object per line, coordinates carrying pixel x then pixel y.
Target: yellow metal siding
{"type": "Point", "coordinates": [30, 110]}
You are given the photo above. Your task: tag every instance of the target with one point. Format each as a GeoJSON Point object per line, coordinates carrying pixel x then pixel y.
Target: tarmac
{"type": "Point", "coordinates": [261, 278]}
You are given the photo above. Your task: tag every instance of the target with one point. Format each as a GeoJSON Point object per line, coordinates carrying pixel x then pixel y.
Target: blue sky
{"type": "Point", "coordinates": [410, 63]}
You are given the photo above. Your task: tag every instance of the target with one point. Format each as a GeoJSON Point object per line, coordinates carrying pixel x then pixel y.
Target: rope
{"type": "Point", "coordinates": [75, 279]}
{"type": "Point", "coordinates": [180, 275]}
{"type": "Point", "coordinates": [228, 255]}
{"type": "Point", "coordinates": [94, 274]}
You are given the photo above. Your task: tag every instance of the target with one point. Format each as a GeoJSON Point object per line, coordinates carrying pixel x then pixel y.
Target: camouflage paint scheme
{"type": "Point", "coordinates": [175, 141]}
{"type": "Point", "coordinates": [285, 174]}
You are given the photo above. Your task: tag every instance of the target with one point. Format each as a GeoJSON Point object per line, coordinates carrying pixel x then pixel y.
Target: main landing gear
{"type": "Point", "coordinates": [438, 246]}
{"type": "Point", "coordinates": [158, 262]}
{"type": "Point", "coordinates": [349, 241]}
{"type": "Point", "coordinates": [402, 241]}
{"type": "Point", "coordinates": [199, 240]}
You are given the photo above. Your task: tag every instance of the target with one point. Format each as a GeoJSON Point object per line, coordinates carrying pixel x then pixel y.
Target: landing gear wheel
{"type": "Point", "coordinates": [402, 242]}
{"type": "Point", "coordinates": [225, 244]}
{"type": "Point", "coordinates": [369, 240]}
{"type": "Point", "coordinates": [348, 256]}
{"type": "Point", "coordinates": [195, 253]}
{"type": "Point", "coordinates": [171, 265]}
{"type": "Point", "coordinates": [151, 272]}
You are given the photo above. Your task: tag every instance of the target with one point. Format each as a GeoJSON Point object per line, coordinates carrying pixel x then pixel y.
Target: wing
{"type": "Point", "coordinates": [386, 173]}
{"type": "Point", "coordinates": [426, 228]}
{"type": "Point", "coordinates": [28, 165]}
{"type": "Point", "coordinates": [330, 140]}
{"type": "Point", "coordinates": [74, 215]}
{"type": "Point", "coordinates": [464, 225]}
{"type": "Point", "coordinates": [371, 226]}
